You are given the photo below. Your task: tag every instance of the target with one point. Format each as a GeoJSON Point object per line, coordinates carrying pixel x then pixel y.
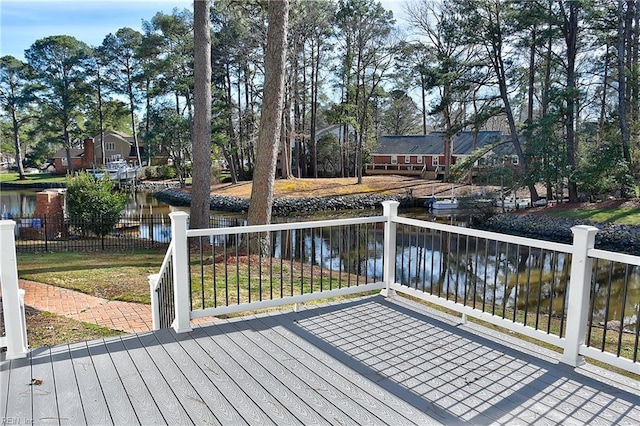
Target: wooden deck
{"type": "Point", "coordinates": [365, 361]}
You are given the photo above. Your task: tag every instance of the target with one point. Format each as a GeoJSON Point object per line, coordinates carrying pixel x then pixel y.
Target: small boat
{"type": "Point", "coordinates": [117, 170]}
{"type": "Point", "coordinates": [515, 204]}
{"type": "Point", "coordinates": [446, 204]}
{"type": "Point", "coordinates": [449, 203]}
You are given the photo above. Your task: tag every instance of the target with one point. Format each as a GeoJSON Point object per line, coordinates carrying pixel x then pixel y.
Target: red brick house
{"type": "Point", "coordinates": [117, 145]}
{"type": "Point", "coordinates": [423, 155]}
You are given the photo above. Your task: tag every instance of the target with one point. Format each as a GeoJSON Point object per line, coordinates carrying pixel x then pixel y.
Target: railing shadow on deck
{"type": "Point", "coordinates": [540, 289]}
{"type": "Point", "coordinates": [461, 342]}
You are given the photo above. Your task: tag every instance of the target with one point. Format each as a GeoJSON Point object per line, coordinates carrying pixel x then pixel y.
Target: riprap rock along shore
{"type": "Point", "coordinates": [286, 206]}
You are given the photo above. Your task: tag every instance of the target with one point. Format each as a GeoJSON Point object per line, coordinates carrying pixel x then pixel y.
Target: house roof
{"type": "Point", "coordinates": [116, 134]}
{"type": "Point", "coordinates": [62, 153]}
{"type": "Point", "coordinates": [432, 144]}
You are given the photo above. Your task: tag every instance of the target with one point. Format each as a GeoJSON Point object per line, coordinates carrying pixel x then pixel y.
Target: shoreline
{"type": "Point", "coordinates": [613, 237]}
{"type": "Point", "coordinates": [286, 206]}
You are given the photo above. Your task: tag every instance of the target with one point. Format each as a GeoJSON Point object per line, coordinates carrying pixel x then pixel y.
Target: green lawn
{"type": "Point", "coordinates": [32, 178]}
{"type": "Point", "coordinates": [110, 275]}
{"type": "Point", "coordinates": [622, 215]}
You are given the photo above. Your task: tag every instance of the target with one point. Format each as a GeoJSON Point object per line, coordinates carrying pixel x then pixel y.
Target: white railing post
{"type": "Point", "coordinates": [579, 287]}
{"type": "Point", "coordinates": [14, 321]}
{"type": "Point", "coordinates": [182, 301]}
{"type": "Point", "coordinates": [155, 303]}
{"type": "Point", "coordinates": [390, 210]}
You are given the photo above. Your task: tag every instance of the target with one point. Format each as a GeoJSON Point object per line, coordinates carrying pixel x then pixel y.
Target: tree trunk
{"type": "Point", "coordinates": [315, 71]}
{"type": "Point", "coordinates": [200, 193]}
{"type": "Point", "coordinates": [67, 147]}
{"type": "Point", "coordinates": [570, 32]}
{"type": "Point", "coordinates": [532, 70]}
{"type": "Point", "coordinates": [101, 120]}
{"type": "Point", "coordinates": [423, 96]}
{"type": "Point", "coordinates": [16, 145]}
{"type": "Point", "coordinates": [271, 116]}
{"type": "Point", "coordinates": [623, 31]}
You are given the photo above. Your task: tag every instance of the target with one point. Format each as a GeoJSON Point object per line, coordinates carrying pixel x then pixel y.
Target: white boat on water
{"type": "Point", "coordinates": [117, 169]}
{"type": "Point", "coordinates": [449, 203]}
{"type": "Point", "coordinates": [513, 204]}
{"type": "Point", "coordinates": [445, 204]}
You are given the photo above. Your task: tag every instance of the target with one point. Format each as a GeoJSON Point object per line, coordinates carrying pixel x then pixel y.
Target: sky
{"type": "Point", "coordinates": [22, 22]}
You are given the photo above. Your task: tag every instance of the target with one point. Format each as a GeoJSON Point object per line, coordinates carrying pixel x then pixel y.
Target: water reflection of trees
{"type": "Point", "coordinates": [514, 281]}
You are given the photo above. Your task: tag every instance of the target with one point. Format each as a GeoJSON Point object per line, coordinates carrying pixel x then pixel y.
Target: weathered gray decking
{"type": "Point", "coordinates": [367, 361]}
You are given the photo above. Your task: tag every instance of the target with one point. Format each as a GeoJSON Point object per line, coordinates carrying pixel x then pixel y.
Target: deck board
{"type": "Point", "coordinates": [198, 411]}
{"type": "Point", "coordinates": [357, 385]}
{"type": "Point", "coordinates": [225, 351]}
{"type": "Point", "coordinates": [94, 403]}
{"type": "Point", "coordinates": [232, 396]}
{"type": "Point", "coordinates": [313, 408]}
{"type": "Point", "coordinates": [43, 388]}
{"type": "Point", "coordinates": [363, 361]}
{"type": "Point", "coordinates": [207, 392]}
{"type": "Point", "coordinates": [146, 410]}
{"type": "Point", "coordinates": [313, 373]}
{"type": "Point", "coordinates": [19, 398]}
{"type": "Point", "coordinates": [389, 402]}
{"type": "Point", "coordinates": [120, 409]}
{"type": "Point", "coordinates": [156, 382]}
{"type": "Point", "coordinates": [66, 387]}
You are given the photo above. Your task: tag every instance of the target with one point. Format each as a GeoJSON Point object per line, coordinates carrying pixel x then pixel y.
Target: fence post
{"type": "Point", "coordinates": [390, 211]}
{"type": "Point", "coordinates": [579, 288]}
{"type": "Point", "coordinates": [182, 301]}
{"type": "Point", "coordinates": [14, 323]}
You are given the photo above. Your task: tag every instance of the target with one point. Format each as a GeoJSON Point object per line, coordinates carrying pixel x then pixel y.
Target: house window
{"type": "Point", "coordinates": [419, 159]}
{"type": "Point", "coordinates": [407, 159]}
{"type": "Point", "coordinates": [515, 160]}
{"type": "Point", "coordinates": [110, 146]}
{"type": "Point", "coordinates": [394, 159]}
{"type": "Point", "coordinates": [434, 161]}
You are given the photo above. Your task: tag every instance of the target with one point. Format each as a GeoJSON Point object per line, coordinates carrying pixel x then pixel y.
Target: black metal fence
{"type": "Point", "coordinates": [57, 233]}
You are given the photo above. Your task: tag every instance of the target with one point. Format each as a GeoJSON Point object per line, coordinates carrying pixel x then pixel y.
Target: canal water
{"type": "Point", "coordinates": [431, 263]}
{"type": "Point", "coordinates": [22, 203]}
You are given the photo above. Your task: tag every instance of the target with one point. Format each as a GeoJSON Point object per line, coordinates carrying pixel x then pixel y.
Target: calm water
{"type": "Point", "coordinates": [22, 203]}
{"type": "Point", "coordinates": [420, 260]}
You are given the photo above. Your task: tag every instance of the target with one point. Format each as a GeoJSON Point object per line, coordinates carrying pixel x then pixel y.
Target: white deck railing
{"type": "Point", "coordinates": [574, 310]}
{"type": "Point", "coordinates": [15, 337]}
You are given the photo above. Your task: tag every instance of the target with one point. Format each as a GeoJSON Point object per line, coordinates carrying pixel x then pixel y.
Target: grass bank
{"type": "Point", "coordinates": [621, 215]}
{"type": "Point", "coordinates": [110, 275]}
{"type": "Point", "coordinates": [31, 178]}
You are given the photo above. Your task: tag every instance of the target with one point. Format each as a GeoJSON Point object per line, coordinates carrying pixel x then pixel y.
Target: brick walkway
{"type": "Point", "coordinates": [125, 316]}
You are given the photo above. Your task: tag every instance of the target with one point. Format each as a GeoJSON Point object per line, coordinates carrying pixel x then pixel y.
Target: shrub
{"type": "Point", "coordinates": [94, 203]}
{"type": "Point", "coordinates": [166, 172]}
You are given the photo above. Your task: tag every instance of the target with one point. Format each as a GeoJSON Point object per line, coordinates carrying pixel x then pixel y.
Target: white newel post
{"type": "Point", "coordinates": [155, 303]}
{"type": "Point", "coordinates": [579, 288]}
{"type": "Point", "coordinates": [390, 210]}
{"type": "Point", "coordinates": [14, 321]}
{"type": "Point", "coordinates": [181, 324]}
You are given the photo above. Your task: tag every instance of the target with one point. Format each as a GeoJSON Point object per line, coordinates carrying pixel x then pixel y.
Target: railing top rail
{"type": "Point", "coordinates": [285, 226]}
{"type": "Point", "coordinates": [548, 245]}
{"type": "Point", "coordinates": [166, 260]}
{"type": "Point", "coordinates": [614, 256]}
